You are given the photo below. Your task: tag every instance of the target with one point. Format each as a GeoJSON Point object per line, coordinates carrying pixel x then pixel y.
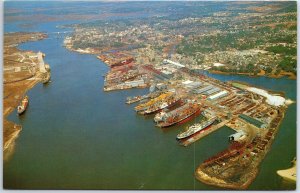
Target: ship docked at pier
{"type": "Point", "coordinates": [22, 107]}
{"type": "Point", "coordinates": [157, 107]}
{"type": "Point", "coordinates": [156, 100]}
{"type": "Point", "coordinates": [140, 98]}
{"type": "Point", "coordinates": [134, 99]}
{"type": "Point", "coordinates": [198, 127]}
{"type": "Point", "coordinates": [179, 115]}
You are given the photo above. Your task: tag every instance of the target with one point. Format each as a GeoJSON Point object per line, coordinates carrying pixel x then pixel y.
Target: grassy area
{"type": "Point", "coordinates": [239, 85]}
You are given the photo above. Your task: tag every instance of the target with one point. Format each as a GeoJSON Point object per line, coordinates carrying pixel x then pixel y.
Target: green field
{"type": "Point", "coordinates": [239, 85]}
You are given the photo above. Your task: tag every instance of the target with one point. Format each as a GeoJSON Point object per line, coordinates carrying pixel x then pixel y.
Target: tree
{"type": "Point", "coordinates": [277, 71]}
{"type": "Point", "coordinates": [268, 69]}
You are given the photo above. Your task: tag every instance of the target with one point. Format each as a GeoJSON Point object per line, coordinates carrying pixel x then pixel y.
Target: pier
{"type": "Point", "coordinates": [200, 135]}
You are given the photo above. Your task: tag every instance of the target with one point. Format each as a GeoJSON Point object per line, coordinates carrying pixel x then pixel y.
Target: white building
{"type": "Point", "coordinates": [218, 95]}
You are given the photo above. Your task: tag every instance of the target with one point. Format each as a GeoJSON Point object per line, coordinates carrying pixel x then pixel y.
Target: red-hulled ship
{"type": "Point", "coordinates": [123, 62]}
{"type": "Point", "coordinates": [179, 115]}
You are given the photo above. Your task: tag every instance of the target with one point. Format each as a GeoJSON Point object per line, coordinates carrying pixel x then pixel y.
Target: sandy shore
{"type": "Point", "coordinates": [290, 173]}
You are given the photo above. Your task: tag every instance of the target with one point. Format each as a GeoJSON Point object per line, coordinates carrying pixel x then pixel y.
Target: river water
{"type": "Point", "coordinates": [75, 136]}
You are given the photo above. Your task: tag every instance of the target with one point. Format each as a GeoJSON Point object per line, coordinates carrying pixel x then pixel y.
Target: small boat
{"type": "Point", "coordinates": [22, 107]}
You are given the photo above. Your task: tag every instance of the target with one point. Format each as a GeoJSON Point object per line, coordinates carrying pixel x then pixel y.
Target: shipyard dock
{"type": "Point", "coordinates": [255, 114]}
{"type": "Point", "coordinates": [197, 137]}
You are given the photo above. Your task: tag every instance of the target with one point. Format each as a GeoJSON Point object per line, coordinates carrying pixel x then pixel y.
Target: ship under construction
{"type": "Point", "coordinates": [160, 105]}
{"type": "Point", "coordinates": [145, 106]}
{"type": "Point", "coordinates": [179, 115]}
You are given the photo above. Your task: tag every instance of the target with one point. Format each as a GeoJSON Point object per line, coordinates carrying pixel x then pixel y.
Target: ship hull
{"type": "Point", "coordinates": [181, 121]}
{"type": "Point", "coordinates": [188, 135]}
{"type": "Point", "coordinates": [20, 112]}
{"type": "Point", "coordinates": [134, 100]}
{"type": "Point", "coordinates": [145, 107]}
{"type": "Point", "coordinates": [23, 106]}
{"type": "Point", "coordinates": [160, 109]}
{"type": "Point", "coordinates": [193, 134]}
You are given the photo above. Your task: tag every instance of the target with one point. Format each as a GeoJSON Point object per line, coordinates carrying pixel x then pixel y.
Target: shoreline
{"type": "Point", "coordinates": [14, 90]}
{"type": "Point", "coordinates": [289, 174]}
{"type": "Point", "coordinates": [279, 93]}
{"type": "Point", "coordinates": [262, 73]}
{"type": "Point", "coordinates": [110, 63]}
{"type": "Point", "coordinates": [281, 75]}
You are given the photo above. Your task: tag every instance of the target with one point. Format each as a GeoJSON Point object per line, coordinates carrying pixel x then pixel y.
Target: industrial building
{"type": "Point", "coordinates": [218, 95]}
{"type": "Point", "coordinates": [212, 91]}
{"type": "Point", "coordinates": [178, 65]}
{"type": "Point", "coordinates": [199, 91]}
{"type": "Point", "coordinates": [134, 83]}
{"type": "Point", "coordinates": [252, 121]}
{"type": "Point", "coordinates": [191, 84]}
{"type": "Point", "coordinates": [238, 136]}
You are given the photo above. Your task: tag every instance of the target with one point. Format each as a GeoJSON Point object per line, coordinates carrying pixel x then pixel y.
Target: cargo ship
{"type": "Point", "coordinates": [159, 116]}
{"type": "Point", "coordinates": [22, 107]}
{"type": "Point", "coordinates": [145, 106]}
{"type": "Point", "coordinates": [198, 127]}
{"type": "Point", "coordinates": [156, 107]}
{"type": "Point", "coordinates": [178, 116]}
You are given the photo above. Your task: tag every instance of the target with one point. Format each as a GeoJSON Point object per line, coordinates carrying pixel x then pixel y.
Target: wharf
{"type": "Point", "coordinates": [203, 134]}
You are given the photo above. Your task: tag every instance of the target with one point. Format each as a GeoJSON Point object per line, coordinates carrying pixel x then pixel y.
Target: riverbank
{"type": "Point", "coordinates": [125, 73]}
{"type": "Point", "coordinates": [260, 74]}
{"type": "Point", "coordinates": [110, 61]}
{"type": "Point", "coordinates": [21, 73]}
